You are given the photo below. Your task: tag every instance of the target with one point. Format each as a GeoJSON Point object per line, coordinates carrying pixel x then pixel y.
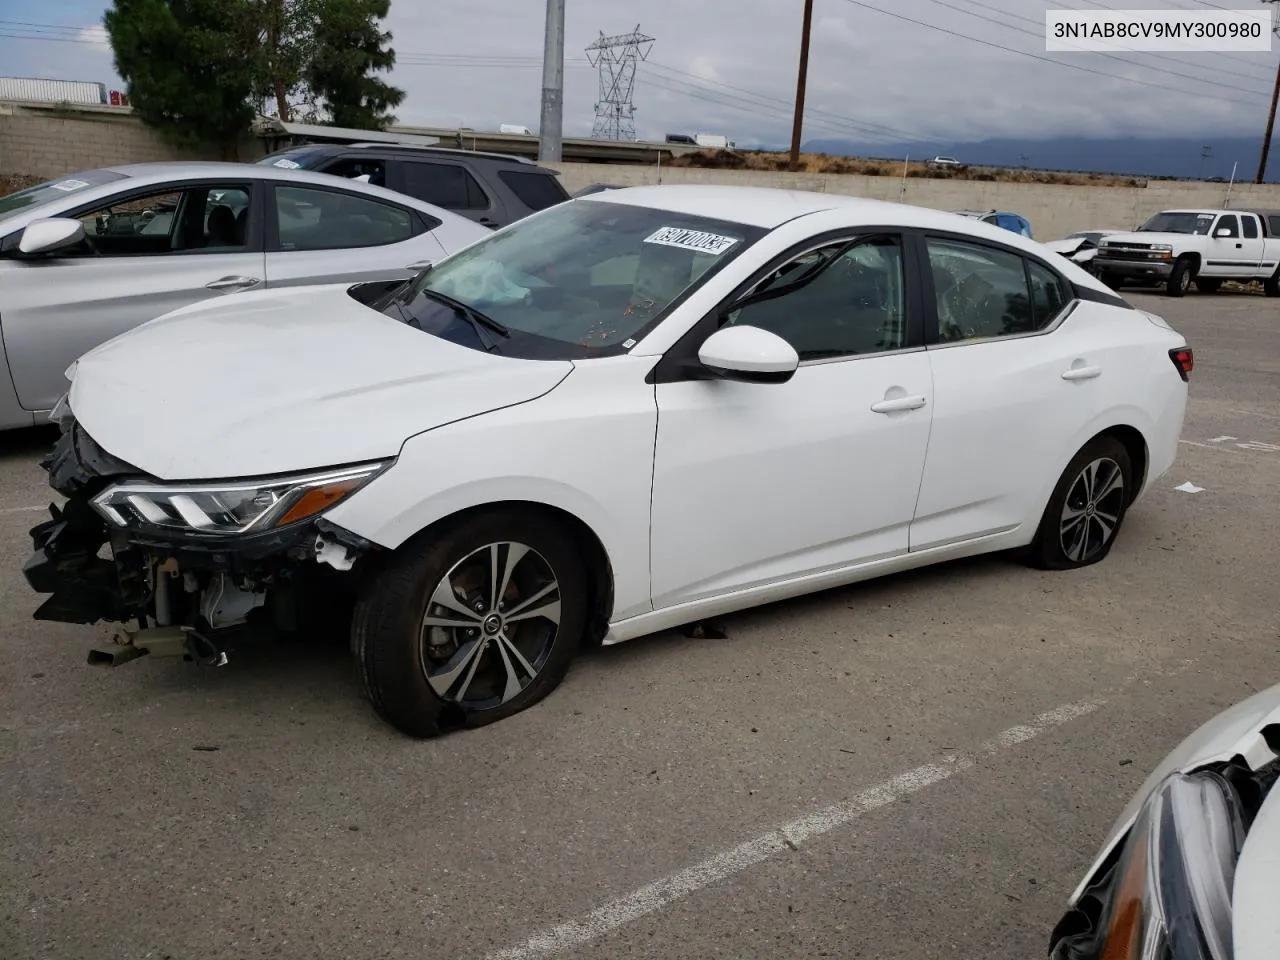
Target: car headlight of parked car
{"type": "Point", "coordinates": [1168, 895]}
{"type": "Point", "coordinates": [1161, 251]}
{"type": "Point", "coordinates": [231, 508]}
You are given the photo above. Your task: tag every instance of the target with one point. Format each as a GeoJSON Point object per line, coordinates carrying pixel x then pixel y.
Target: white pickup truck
{"type": "Point", "coordinates": [1205, 247]}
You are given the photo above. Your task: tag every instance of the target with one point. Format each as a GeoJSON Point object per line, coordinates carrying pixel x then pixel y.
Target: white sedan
{"type": "Point", "coordinates": [628, 412]}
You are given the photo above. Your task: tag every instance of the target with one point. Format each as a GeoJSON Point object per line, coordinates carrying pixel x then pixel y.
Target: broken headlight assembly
{"type": "Point", "coordinates": [231, 509]}
{"type": "Point", "coordinates": [1168, 896]}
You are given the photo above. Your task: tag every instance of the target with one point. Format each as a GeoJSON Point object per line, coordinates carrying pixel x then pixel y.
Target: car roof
{"type": "Point", "coordinates": [415, 148]}
{"type": "Point", "coordinates": [770, 207]}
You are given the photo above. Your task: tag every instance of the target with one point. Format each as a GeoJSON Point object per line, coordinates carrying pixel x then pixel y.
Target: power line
{"type": "Point", "coordinates": [1022, 53]}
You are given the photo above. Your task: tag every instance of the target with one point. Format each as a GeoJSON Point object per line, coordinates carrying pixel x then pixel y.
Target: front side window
{"type": "Point", "coordinates": [314, 219]}
{"type": "Point", "coordinates": [1228, 222]}
{"type": "Point", "coordinates": [446, 185]}
{"type": "Point", "coordinates": [980, 292]}
{"type": "Point", "coordinates": [203, 219]}
{"type": "Point", "coordinates": [583, 278]}
{"type": "Point", "coordinates": [844, 299]}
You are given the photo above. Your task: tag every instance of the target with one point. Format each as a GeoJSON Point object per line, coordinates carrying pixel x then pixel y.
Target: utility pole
{"type": "Point", "coordinates": [804, 70]}
{"type": "Point", "coordinates": [551, 126]}
{"type": "Point", "coordinates": [1271, 120]}
{"type": "Point", "coordinates": [1271, 117]}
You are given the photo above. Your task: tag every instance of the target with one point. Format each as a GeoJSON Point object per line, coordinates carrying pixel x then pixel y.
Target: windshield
{"type": "Point", "coordinates": [14, 203]}
{"type": "Point", "coordinates": [304, 158]}
{"type": "Point", "coordinates": [585, 278]}
{"type": "Point", "coordinates": [1197, 223]}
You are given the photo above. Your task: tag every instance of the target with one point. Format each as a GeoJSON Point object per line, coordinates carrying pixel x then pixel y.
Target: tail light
{"type": "Point", "coordinates": [1184, 359]}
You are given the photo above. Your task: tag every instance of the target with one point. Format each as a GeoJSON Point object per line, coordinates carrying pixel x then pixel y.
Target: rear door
{"type": "Point", "coordinates": [330, 235]}
{"type": "Point", "coordinates": [450, 185]}
{"type": "Point", "coordinates": [147, 251]}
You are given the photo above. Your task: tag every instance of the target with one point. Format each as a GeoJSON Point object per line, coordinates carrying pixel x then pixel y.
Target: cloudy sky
{"type": "Point", "coordinates": [965, 70]}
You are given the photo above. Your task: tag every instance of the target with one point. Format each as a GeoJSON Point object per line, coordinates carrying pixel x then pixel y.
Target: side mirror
{"type": "Point", "coordinates": [749, 354]}
{"type": "Point", "coordinates": [54, 233]}
{"type": "Point", "coordinates": [1222, 232]}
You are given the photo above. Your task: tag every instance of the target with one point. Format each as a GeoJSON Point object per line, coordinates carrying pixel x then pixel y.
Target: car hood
{"type": "Point", "coordinates": [1237, 731]}
{"type": "Point", "coordinates": [276, 381]}
{"type": "Point", "coordinates": [1149, 237]}
{"type": "Point", "coordinates": [1070, 245]}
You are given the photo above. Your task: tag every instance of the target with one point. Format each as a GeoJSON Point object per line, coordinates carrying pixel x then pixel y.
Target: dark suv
{"type": "Point", "coordinates": [489, 188]}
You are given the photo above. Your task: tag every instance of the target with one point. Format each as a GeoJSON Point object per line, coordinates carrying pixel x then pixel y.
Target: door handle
{"type": "Point", "coordinates": [420, 265]}
{"type": "Point", "coordinates": [900, 403]}
{"type": "Point", "coordinates": [1081, 373]}
{"type": "Point", "coordinates": [232, 283]}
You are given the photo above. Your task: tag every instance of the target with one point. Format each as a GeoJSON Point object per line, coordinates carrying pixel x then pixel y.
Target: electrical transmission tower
{"type": "Point", "coordinates": [615, 59]}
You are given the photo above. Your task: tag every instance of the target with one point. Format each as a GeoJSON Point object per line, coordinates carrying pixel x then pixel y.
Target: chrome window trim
{"type": "Point", "coordinates": [1049, 328]}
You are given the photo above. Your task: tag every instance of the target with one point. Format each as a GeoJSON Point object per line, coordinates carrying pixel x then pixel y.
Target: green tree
{"type": "Point", "coordinates": [347, 47]}
{"type": "Point", "coordinates": [191, 67]}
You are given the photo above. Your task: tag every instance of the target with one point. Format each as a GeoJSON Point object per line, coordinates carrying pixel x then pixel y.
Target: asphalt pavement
{"type": "Point", "coordinates": [919, 767]}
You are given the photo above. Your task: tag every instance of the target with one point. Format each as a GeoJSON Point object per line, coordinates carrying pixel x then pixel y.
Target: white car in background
{"type": "Point", "coordinates": [1081, 247]}
{"type": "Point", "coordinates": [1191, 869]}
{"type": "Point", "coordinates": [626, 412]}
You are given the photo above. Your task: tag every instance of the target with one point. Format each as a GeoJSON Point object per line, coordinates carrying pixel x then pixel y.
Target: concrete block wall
{"type": "Point", "coordinates": [1054, 210]}
{"type": "Point", "coordinates": [44, 141]}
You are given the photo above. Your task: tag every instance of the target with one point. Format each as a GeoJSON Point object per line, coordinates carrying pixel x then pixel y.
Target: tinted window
{"type": "Point", "coordinates": [1229, 223]}
{"type": "Point", "coordinates": [207, 219]}
{"type": "Point", "coordinates": [981, 292]}
{"type": "Point", "coordinates": [305, 158]}
{"type": "Point", "coordinates": [444, 184]}
{"type": "Point", "coordinates": [855, 304]}
{"type": "Point", "coordinates": [1048, 294]}
{"type": "Point", "coordinates": [537, 191]}
{"type": "Point", "coordinates": [1273, 226]}
{"type": "Point", "coordinates": [1250, 225]}
{"type": "Point", "coordinates": [312, 219]}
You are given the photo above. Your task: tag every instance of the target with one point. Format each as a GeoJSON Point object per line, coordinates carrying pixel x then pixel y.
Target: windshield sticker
{"type": "Point", "coordinates": [286, 164]}
{"type": "Point", "coordinates": [1205, 216]}
{"type": "Point", "coordinates": [69, 185]}
{"type": "Point", "coordinates": [695, 240]}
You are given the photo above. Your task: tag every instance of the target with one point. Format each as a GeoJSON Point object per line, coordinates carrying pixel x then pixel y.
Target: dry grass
{"type": "Point", "coordinates": [12, 183]}
{"type": "Point", "coordinates": [823, 163]}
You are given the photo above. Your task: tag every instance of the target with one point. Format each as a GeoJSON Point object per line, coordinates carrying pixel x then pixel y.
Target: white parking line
{"type": "Point", "coordinates": [789, 836]}
{"type": "Point", "coordinates": [22, 509]}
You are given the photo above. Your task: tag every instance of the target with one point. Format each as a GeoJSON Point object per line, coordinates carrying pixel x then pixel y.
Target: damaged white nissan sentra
{"type": "Point", "coordinates": [621, 414]}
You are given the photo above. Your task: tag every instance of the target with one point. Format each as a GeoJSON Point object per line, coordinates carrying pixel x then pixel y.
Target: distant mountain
{"type": "Point", "coordinates": [1164, 157]}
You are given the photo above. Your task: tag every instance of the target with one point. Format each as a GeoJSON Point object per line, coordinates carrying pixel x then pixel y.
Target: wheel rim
{"type": "Point", "coordinates": [1185, 282]}
{"type": "Point", "coordinates": [490, 625]}
{"type": "Point", "coordinates": [1092, 510]}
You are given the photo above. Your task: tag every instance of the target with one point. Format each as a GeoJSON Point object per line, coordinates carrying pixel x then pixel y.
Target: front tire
{"type": "Point", "coordinates": [1087, 508]}
{"type": "Point", "coordinates": [1180, 278]}
{"type": "Point", "coordinates": [472, 624]}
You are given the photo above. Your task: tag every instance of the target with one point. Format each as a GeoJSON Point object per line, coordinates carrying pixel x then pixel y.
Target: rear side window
{"type": "Point", "coordinates": [537, 191]}
{"type": "Point", "coordinates": [443, 184]}
{"type": "Point", "coordinates": [1273, 225]}
{"type": "Point", "coordinates": [309, 219]}
{"type": "Point", "coordinates": [1250, 225]}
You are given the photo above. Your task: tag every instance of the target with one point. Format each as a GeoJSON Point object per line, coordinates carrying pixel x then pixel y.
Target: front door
{"type": "Point", "coordinates": [756, 483]}
{"type": "Point", "coordinates": [146, 253]}
{"type": "Point", "coordinates": [1233, 254]}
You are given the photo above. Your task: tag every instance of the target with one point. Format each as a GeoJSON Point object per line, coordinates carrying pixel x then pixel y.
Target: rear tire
{"type": "Point", "coordinates": [1180, 279]}
{"type": "Point", "coordinates": [1271, 285]}
{"type": "Point", "coordinates": [1087, 508]}
{"type": "Point", "coordinates": [441, 643]}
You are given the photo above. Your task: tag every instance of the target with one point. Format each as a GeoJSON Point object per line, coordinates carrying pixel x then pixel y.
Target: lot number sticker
{"type": "Point", "coordinates": [695, 240]}
{"type": "Point", "coordinates": [285, 163]}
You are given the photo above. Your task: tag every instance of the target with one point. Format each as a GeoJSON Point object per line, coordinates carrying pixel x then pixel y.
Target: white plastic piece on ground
{"type": "Point", "coordinates": [1189, 487]}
